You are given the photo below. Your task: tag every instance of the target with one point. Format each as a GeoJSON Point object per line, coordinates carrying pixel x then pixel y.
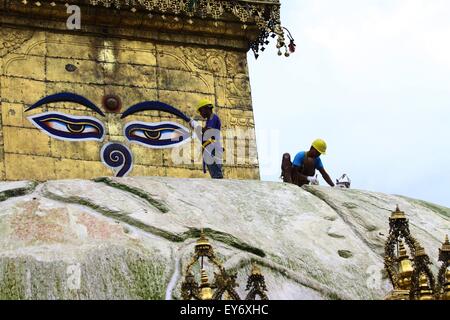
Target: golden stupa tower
{"type": "Point", "coordinates": [76, 79]}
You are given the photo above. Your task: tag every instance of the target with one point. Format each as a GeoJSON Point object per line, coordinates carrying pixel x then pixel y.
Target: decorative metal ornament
{"type": "Point", "coordinates": [224, 283]}
{"type": "Point", "coordinates": [256, 285]}
{"type": "Point", "coordinates": [398, 230]}
{"type": "Point", "coordinates": [422, 280]}
{"type": "Point", "coordinates": [412, 277]}
{"type": "Point", "coordinates": [446, 290]}
{"type": "Point", "coordinates": [265, 15]}
{"type": "Point", "coordinates": [405, 270]}
{"type": "Point", "coordinates": [443, 278]}
{"type": "Point", "coordinates": [262, 15]}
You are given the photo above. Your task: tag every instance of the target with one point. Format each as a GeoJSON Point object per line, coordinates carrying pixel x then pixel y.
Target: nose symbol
{"type": "Point", "coordinates": [118, 157]}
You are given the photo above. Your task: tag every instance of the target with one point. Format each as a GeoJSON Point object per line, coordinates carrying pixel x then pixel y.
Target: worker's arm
{"type": "Point", "coordinates": [326, 177]}
{"type": "Point", "coordinates": [198, 130]}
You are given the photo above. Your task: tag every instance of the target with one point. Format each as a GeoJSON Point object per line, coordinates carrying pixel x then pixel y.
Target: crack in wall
{"type": "Point", "coordinates": [289, 274]}
{"type": "Point", "coordinates": [18, 192]}
{"type": "Point", "coordinates": [159, 205]}
{"type": "Point", "coordinates": [117, 215]}
{"type": "Point", "coordinates": [174, 237]}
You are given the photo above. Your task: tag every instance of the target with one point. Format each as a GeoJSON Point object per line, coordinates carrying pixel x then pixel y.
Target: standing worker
{"type": "Point", "coordinates": [210, 138]}
{"type": "Point", "coordinates": [303, 169]}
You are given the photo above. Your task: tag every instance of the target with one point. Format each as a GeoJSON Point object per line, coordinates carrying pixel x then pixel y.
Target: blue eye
{"type": "Point", "coordinates": [157, 135]}
{"type": "Point", "coordinates": [65, 127]}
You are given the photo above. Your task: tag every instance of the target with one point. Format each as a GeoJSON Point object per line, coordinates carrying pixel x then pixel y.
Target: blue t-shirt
{"type": "Point", "coordinates": [298, 160]}
{"type": "Point", "coordinates": [213, 123]}
{"type": "Point", "coordinates": [215, 149]}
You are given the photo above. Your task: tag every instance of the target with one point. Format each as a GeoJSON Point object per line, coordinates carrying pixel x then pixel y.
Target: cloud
{"type": "Point", "coordinates": [355, 32]}
{"type": "Point", "coordinates": [372, 78]}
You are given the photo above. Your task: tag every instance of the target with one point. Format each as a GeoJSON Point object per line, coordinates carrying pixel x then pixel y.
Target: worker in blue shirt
{"type": "Point", "coordinates": [303, 168]}
{"type": "Point", "coordinates": [210, 137]}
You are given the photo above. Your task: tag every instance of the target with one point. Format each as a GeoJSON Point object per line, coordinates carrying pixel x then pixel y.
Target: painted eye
{"type": "Point", "coordinates": [68, 127]}
{"type": "Point", "coordinates": [157, 135]}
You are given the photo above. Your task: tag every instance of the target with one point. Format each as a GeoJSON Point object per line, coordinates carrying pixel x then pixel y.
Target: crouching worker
{"type": "Point", "coordinates": [210, 137]}
{"type": "Point", "coordinates": [303, 169]}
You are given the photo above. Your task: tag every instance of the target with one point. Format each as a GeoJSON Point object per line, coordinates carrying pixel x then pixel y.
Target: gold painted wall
{"type": "Point", "coordinates": [33, 65]}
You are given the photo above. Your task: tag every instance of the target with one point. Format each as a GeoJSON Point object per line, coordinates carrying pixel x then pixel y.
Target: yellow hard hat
{"type": "Point", "coordinates": [320, 146]}
{"type": "Point", "coordinates": [202, 103]}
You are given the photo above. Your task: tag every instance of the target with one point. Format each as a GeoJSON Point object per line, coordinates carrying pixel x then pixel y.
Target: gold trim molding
{"type": "Point", "coordinates": [262, 16]}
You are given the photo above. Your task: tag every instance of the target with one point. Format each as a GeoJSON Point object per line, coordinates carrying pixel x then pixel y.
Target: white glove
{"type": "Point", "coordinates": [194, 124]}
{"type": "Point", "coordinates": [197, 128]}
{"type": "Point", "coordinates": [313, 180]}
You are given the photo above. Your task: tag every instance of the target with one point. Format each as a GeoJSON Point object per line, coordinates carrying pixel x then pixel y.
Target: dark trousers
{"type": "Point", "coordinates": [215, 170]}
{"type": "Point", "coordinates": [296, 175]}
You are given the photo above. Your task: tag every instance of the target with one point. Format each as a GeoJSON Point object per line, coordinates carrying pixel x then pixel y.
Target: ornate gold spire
{"type": "Point", "coordinates": [256, 284]}
{"type": "Point", "coordinates": [446, 245]}
{"type": "Point", "coordinates": [425, 293]}
{"type": "Point", "coordinates": [223, 284]}
{"type": "Point", "coordinates": [446, 294]}
{"type": "Point", "coordinates": [443, 281]}
{"type": "Point", "coordinates": [397, 214]}
{"type": "Point", "coordinates": [203, 248]}
{"type": "Point", "coordinates": [420, 251]}
{"type": "Point", "coordinates": [203, 241]}
{"type": "Point", "coordinates": [398, 265]}
{"type": "Point", "coordinates": [205, 287]}
{"type": "Point", "coordinates": [423, 284]}
{"type": "Point", "coordinates": [405, 269]}
{"type": "Point", "coordinates": [255, 269]}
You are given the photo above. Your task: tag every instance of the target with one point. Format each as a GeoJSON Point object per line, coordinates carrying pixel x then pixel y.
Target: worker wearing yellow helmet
{"type": "Point", "coordinates": [305, 164]}
{"type": "Point", "coordinates": [210, 137]}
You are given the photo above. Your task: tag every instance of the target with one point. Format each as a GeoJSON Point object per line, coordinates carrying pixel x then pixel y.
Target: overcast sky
{"type": "Point", "coordinates": [372, 78]}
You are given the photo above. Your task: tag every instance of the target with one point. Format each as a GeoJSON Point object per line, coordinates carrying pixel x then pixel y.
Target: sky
{"type": "Point", "coordinates": [371, 78]}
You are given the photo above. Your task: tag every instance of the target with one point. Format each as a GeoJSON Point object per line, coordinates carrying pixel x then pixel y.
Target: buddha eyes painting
{"type": "Point", "coordinates": [114, 155]}
{"type": "Point", "coordinates": [68, 127]}
{"type": "Point", "coordinates": [157, 135]}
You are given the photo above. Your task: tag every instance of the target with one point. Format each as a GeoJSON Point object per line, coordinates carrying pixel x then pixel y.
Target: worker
{"type": "Point", "coordinates": [303, 169]}
{"type": "Point", "coordinates": [210, 137]}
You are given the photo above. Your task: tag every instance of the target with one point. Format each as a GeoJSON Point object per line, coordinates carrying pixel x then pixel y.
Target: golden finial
{"type": "Point", "coordinates": [402, 250]}
{"type": "Point", "coordinates": [420, 251]}
{"type": "Point", "coordinates": [255, 269]}
{"type": "Point", "coordinates": [203, 247]}
{"type": "Point", "coordinates": [405, 268]}
{"type": "Point", "coordinates": [397, 214]}
{"type": "Point", "coordinates": [444, 251]}
{"type": "Point", "coordinates": [446, 244]}
{"type": "Point", "coordinates": [425, 292]}
{"type": "Point", "coordinates": [446, 295]}
{"type": "Point", "coordinates": [202, 239]}
{"type": "Point", "coordinates": [204, 276]}
{"type": "Point", "coordinates": [205, 288]}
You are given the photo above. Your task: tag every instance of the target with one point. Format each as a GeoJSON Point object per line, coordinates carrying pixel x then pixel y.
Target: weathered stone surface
{"type": "Point", "coordinates": [131, 238]}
